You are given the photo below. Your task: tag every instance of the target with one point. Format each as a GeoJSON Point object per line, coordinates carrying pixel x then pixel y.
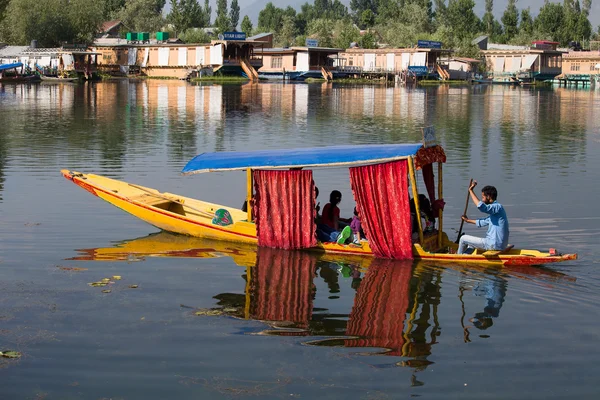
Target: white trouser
{"type": "Point", "coordinates": [470, 241]}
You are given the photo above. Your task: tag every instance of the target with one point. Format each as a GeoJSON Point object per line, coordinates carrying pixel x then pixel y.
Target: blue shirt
{"type": "Point", "coordinates": [497, 234]}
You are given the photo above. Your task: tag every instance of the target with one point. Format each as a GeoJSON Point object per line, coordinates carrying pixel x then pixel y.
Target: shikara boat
{"type": "Point", "coordinates": [187, 216]}
{"type": "Point", "coordinates": [56, 79]}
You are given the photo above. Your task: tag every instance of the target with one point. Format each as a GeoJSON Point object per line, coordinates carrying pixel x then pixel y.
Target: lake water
{"type": "Point", "coordinates": [208, 320]}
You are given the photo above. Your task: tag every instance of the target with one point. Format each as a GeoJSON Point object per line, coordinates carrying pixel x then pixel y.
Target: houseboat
{"type": "Point", "coordinates": [298, 63]}
{"type": "Point", "coordinates": [412, 63]}
{"type": "Point", "coordinates": [541, 61]}
{"type": "Point", "coordinates": [580, 67]}
{"type": "Point", "coordinates": [174, 59]}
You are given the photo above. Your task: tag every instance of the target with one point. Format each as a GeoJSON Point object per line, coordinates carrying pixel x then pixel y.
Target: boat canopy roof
{"type": "Point", "coordinates": [4, 67]}
{"type": "Point", "coordinates": [349, 155]}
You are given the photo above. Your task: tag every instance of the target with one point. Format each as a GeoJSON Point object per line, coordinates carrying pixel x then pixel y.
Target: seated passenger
{"type": "Point", "coordinates": [330, 229]}
{"type": "Point", "coordinates": [331, 212]}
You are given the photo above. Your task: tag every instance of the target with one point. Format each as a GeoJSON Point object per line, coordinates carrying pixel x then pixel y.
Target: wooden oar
{"type": "Point", "coordinates": [173, 199]}
{"type": "Point", "coordinates": [462, 221]}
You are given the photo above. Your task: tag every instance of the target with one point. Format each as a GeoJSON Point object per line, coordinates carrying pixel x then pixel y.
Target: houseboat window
{"type": "Point", "coordinates": [276, 62]}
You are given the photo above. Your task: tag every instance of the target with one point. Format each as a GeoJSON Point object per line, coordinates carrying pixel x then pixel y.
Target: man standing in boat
{"type": "Point", "coordinates": [497, 222]}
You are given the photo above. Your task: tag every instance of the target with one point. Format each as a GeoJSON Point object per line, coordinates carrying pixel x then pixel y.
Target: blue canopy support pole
{"type": "Point", "coordinates": [249, 190]}
{"type": "Point", "coordinates": [440, 212]}
{"type": "Point", "coordinates": [415, 191]}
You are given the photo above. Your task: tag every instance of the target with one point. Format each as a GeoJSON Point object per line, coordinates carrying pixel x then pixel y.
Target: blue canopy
{"type": "Point", "coordinates": [302, 157]}
{"type": "Point", "coordinates": [4, 67]}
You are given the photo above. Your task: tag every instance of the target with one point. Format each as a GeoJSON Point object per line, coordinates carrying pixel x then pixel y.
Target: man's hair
{"type": "Point", "coordinates": [490, 191]}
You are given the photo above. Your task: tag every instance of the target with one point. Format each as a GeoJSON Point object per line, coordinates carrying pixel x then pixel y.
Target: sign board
{"type": "Point", "coordinates": [429, 139]}
{"type": "Point", "coordinates": [429, 44]}
{"type": "Point", "coordinates": [312, 43]}
{"type": "Point", "coordinates": [234, 36]}
{"type": "Point", "coordinates": [418, 69]}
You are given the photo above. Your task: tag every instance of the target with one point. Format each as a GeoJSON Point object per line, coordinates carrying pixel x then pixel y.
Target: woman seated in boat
{"type": "Point", "coordinates": [426, 215]}
{"type": "Point", "coordinates": [332, 227]}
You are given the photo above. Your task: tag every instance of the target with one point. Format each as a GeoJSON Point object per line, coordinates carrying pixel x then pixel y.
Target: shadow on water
{"type": "Point", "coordinates": [395, 307]}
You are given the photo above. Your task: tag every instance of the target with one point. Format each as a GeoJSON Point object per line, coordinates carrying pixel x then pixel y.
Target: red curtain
{"type": "Point", "coordinates": [429, 180]}
{"type": "Point", "coordinates": [381, 194]}
{"type": "Point", "coordinates": [380, 307]}
{"type": "Point", "coordinates": [284, 209]}
{"type": "Point", "coordinates": [282, 286]}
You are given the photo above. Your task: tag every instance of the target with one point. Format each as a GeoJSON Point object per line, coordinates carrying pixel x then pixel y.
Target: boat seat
{"type": "Point", "coordinates": [496, 252]}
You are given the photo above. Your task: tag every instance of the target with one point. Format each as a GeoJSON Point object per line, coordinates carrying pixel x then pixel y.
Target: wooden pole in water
{"type": "Point", "coordinates": [249, 193]}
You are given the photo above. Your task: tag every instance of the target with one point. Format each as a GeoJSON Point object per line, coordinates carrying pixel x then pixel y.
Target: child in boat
{"type": "Point", "coordinates": [357, 231]}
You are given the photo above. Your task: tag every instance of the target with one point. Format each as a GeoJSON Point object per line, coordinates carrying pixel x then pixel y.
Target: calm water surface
{"type": "Point", "coordinates": [209, 320]}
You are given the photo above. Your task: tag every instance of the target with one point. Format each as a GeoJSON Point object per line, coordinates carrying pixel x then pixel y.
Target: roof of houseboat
{"type": "Point", "coordinates": [349, 155]}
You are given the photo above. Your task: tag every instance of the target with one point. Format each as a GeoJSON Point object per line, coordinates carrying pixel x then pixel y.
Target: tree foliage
{"type": "Point", "coordinates": [51, 22]}
{"type": "Point", "coordinates": [270, 18]}
{"type": "Point", "coordinates": [549, 21]}
{"type": "Point", "coordinates": [462, 19]}
{"type": "Point", "coordinates": [344, 33]}
{"type": "Point", "coordinates": [186, 14]}
{"type": "Point", "coordinates": [222, 22]}
{"type": "Point", "coordinates": [234, 13]}
{"type": "Point", "coordinates": [320, 29]}
{"type": "Point", "coordinates": [510, 20]}
{"type": "Point", "coordinates": [526, 23]}
{"type": "Point", "coordinates": [247, 25]}
{"type": "Point", "coordinates": [142, 15]}
{"type": "Point", "coordinates": [195, 35]}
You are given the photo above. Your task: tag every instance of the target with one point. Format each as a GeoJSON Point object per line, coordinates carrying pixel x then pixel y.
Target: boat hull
{"type": "Point", "coordinates": [186, 216]}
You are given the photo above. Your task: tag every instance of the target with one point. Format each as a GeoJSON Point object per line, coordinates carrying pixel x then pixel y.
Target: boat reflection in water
{"type": "Point", "coordinates": [395, 307]}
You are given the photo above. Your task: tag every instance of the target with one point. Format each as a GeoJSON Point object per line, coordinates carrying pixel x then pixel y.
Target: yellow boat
{"type": "Point", "coordinates": [187, 216]}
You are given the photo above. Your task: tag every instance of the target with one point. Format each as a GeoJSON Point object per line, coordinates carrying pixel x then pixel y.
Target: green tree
{"type": "Point", "coordinates": [358, 7]}
{"type": "Point", "coordinates": [440, 13]}
{"type": "Point", "coordinates": [85, 18]}
{"type": "Point", "coordinates": [222, 22]}
{"type": "Point", "coordinates": [549, 21]}
{"type": "Point", "coordinates": [320, 29]}
{"type": "Point", "coordinates": [368, 41]}
{"type": "Point", "coordinates": [51, 22]}
{"type": "Point", "coordinates": [270, 18]}
{"type": "Point", "coordinates": [142, 15]}
{"type": "Point", "coordinates": [234, 13]}
{"type": "Point", "coordinates": [583, 29]}
{"type": "Point", "coordinates": [286, 35]}
{"type": "Point", "coordinates": [111, 8]}
{"type": "Point", "coordinates": [510, 20]}
{"type": "Point", "coordinates": [526, 24]}
{"type": "Point", "coordinates": [3, 5]}
{"type": "Point", "coordinates": [207, 11]}
{"type": "Point", "coordinates": [367, 19]}
{"type": "Point", "coordinates": [247, 25]}
{"type": "Point", "coordinates": [387, 11]}
{"type": "Point", "coordinates": [462, 19]}
{"type": "Point", "coordinates": [344, 33]}
{"type": "Point", "coordinates": [488, 17]}
{"type": "Point", "coordinates": [186, 14]}
{"type": "Point", "coordinates": [31, 19]}
{"type": "Point", "coordinates": [195, 35]}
